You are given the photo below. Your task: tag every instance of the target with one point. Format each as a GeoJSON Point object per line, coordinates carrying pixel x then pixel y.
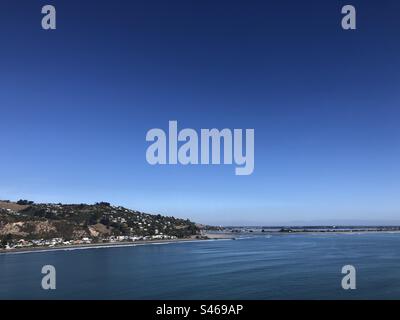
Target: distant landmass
{"type": "Point", "coordinates": [25, 223]}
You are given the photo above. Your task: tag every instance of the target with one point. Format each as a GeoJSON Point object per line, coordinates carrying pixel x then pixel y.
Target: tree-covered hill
{"type": "Point", "coordinates": [27, 220]}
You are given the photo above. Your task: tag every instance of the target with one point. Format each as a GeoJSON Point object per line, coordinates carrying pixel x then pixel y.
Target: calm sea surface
{"type": "Point", "coordinates": [257, 267]}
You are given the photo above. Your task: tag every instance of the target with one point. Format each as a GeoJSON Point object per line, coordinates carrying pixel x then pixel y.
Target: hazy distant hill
{"type": "Point", "coordinates": [27, 220]}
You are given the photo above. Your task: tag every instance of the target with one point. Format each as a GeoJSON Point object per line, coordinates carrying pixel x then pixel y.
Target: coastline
{"type": "Point", "coordinates": [207, 237]}
{"type": "Point", "coordinates": [110, 245]}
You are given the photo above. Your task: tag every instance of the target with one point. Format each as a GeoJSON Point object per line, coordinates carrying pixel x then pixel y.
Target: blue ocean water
{"type": "Point", "coordinates": [296, 266]}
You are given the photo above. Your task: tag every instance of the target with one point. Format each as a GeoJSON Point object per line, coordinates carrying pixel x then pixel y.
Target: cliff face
{"type": "Point", "coordinates": [26, 220]}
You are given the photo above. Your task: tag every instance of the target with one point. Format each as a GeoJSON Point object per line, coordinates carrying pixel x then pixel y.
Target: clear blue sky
{"type": "Point", "coordinates": [76, 104]}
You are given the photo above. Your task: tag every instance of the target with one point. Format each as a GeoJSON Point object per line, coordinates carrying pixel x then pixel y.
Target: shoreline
{"type": "Point", "coordinates": [108, 245]}
{"type": "Point", "coordinates": [208, 237]}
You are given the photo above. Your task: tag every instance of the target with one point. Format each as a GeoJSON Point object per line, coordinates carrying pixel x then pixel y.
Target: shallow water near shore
{"type": "Point", "coordinates": [294, 266]}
